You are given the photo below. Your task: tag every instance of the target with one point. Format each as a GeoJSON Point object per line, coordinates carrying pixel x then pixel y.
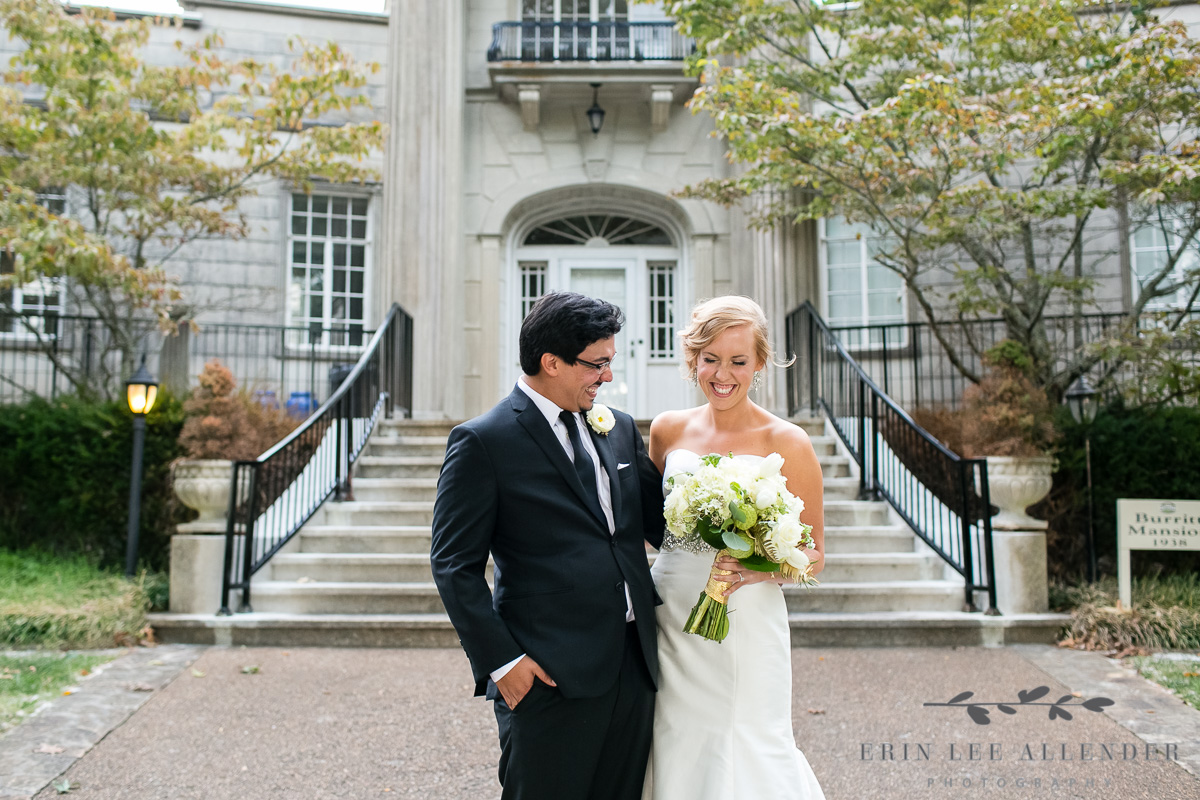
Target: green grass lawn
{"type": "Point", "coordinates": [52, 602]}
{"type": "Point", "coordinates": [28, 680]}
{"type": "Point", "coordinates": [1179, 675]}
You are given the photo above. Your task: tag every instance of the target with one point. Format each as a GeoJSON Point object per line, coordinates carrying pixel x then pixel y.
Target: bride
{"type": "Point", "coordinates": [723, 717]}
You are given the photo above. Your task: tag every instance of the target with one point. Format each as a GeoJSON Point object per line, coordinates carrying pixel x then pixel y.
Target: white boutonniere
{"type": "Point", "coordinates": [601, 419]}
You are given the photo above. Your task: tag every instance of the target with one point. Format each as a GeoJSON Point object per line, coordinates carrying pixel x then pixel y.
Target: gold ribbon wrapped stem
{"type": "Point", "coordinates": [716, 587]}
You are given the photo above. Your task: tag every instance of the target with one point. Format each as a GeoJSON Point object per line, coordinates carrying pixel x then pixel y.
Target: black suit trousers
{"type": "Point", "coordinates": [595, 748]}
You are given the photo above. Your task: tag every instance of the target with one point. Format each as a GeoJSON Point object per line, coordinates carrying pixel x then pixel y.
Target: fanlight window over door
{"type": "Point", "coordinates": [598, 229]}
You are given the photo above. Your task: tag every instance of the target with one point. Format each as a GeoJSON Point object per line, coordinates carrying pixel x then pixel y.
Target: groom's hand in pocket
{"type": "Point", "coordinates": [519, 680]}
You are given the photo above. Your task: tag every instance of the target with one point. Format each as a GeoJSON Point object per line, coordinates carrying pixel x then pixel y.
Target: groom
{"type": "Point", "coordinates": [563, 502]}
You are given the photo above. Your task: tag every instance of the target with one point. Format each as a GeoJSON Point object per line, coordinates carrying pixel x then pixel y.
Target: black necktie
{"type": "Point", "coordinates": [583, 463]}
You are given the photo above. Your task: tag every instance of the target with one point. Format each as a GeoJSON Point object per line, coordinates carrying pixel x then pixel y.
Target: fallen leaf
{"type": "Point", "coordinates": [197, 673]}
{"type": "Point", "coordinates": [32, 668]}
{"type": "Point", "coordinates": [140, 687]}
{"type": "Point", "coordinates": [85, 672]}
{"type": "Point", "coordinates": [64, 786]}
{"type": "Point", "coordinates": [7, 677]}
{"type": "Point", "coordinates": [158, 662]}
{"type": "Point", "coordinates": [67, 692]}
{"type": "Point", "coordinates": [1191, 674]}
{"type": "Point", "coordinates": [1076, 694]}
{"type": "Point", "coordinates": [48, 749]}
{"type": "Point", "coordinates": [816, 711]}
{"type": "Point", "coordinates": [250, 670]}
{"type": "Point", "coordinates": [304, 579]}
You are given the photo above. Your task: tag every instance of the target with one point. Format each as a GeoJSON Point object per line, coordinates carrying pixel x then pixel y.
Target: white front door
{"type": "Point", "coordinates": [612, 280]}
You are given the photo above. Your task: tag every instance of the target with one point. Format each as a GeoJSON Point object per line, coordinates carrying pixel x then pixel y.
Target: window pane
{"type": "Point", "coordinates": [846, 309]}
{"type": "Point", "coordinates": [879, 276]}
{"type": "Point", "coordinates": [318, 225]}
{"type": "Point", "coordinates": [358, 229]}
{"type": "Point", "coordinates": [884, 306]}
{"type": "Point", "coordinates": [839, 253]}
{"type": "Point", "coordinates": [339, 228]}
{"type": "Point", "coordinates": [359, 207]}
{"type": "Point", "coordinates": [844, 279]}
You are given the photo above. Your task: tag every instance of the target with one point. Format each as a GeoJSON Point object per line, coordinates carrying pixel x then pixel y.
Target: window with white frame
{"type": "Point", "coordinates": [40, 301]}
{"type": "Point", "coordinates": [533, 284]}
{"type": "Point", "coordinates": [1151, 249]}
{"type": "Point", "coordinates": [329, 247]}
{"type": "Point", "coordinates": [662, 310]}
{"type": "Point", "coordinates": [858, 289]}
{"type": "Point", "coordinates": [573, 10]}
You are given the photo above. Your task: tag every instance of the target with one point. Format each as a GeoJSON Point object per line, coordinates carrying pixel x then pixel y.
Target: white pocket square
{"type": "Point", "coordinates": [622, 466]}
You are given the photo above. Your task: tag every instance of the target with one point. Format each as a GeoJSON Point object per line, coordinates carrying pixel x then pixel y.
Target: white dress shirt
{"type": "Point", "coordinates": [551, 411]}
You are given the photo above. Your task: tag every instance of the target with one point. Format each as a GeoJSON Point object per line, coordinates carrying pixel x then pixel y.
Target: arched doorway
{"type": "Point", "coordinates": [630, 260]}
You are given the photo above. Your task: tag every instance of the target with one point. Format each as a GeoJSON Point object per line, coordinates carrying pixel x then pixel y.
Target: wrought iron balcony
{"type": "Point", "coordinates": [588, 41]}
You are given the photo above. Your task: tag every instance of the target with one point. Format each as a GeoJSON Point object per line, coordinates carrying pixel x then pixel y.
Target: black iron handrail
{"type": "Point", "coordinates": [588, 41]}
{"type": "Point", "coordinates": [274, 495]}
{"type": "Point", "coordinates": [942, 496]}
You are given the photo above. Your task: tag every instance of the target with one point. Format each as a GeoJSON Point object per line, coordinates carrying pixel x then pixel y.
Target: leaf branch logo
{"type": "Point", "coordinates": [978, 711]}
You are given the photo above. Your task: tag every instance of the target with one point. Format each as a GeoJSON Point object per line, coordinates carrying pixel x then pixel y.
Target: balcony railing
{"type": "Point", "coordinates": [588, 41]}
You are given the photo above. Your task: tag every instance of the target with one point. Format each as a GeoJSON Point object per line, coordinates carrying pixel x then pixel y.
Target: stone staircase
{"type": "Point", "coordinates": [358, 573]}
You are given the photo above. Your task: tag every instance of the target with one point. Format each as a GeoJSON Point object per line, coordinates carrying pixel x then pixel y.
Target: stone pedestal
{"type": "Point", "coordinates": [1020, 561]}
{"type": "Point", "coordinates": [197, 563]}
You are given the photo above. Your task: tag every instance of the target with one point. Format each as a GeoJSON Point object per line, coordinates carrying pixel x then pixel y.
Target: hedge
{"type": "Point", "coordinates": [64, 479]}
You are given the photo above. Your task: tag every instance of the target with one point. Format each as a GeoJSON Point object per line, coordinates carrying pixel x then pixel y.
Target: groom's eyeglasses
{"type": "Point", "coordinates": [598, 366]}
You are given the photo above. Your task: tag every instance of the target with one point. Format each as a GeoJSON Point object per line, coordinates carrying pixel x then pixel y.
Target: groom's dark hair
{"type": "Point", "coordinates": [564, 324]}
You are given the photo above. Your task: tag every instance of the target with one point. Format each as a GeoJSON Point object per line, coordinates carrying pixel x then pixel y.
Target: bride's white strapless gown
{"type": "Point", "coordinates": [723, 715]}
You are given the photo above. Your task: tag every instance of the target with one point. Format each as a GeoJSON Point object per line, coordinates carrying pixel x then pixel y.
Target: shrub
{"type": "Point", "coordinates": [1145, 452]}
{"type": "Point", "coordinates": [64, 479]}
{"type": "Point", "coordinates": [222, 423]}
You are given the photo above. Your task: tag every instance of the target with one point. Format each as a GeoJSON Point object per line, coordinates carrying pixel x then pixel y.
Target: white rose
{"type": "Point", "coordinates": [798, 559]}
{"type": "Point", "coordinates": [601, 419]}
{"type": "Point", "coordinates": [766, 497]}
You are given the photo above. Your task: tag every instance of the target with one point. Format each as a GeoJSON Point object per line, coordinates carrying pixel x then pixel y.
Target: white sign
{"type": "Point", "coordinates": [1153, 525]}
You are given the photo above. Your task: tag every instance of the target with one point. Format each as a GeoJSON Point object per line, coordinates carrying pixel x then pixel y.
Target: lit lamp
{"type": "Point", "coordinates": [1081, 400]}
{"type": "Point", "coordinates": [141, 390]}
{"type": "Point", "coordinates": [595, 114]}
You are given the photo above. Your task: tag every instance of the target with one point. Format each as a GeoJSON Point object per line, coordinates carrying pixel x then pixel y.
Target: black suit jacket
{"type": "Point", "coordinates": [507, 487]}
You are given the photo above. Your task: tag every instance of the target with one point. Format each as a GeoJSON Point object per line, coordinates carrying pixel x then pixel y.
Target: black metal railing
{"type": "Point", "coordinates": [908, 362]}
{"type": "Point", "coordinates": [49, 355]}
{"type": "Point", "coordinates": [273, 496]}
{"type": "Point", "coordinates": [942, 496]}
{"type": "Point", "coordinates": [588, 41]}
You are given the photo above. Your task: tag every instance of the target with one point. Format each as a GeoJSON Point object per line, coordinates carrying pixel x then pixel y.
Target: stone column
{"type": "Point", "coordinates": [421, 253]}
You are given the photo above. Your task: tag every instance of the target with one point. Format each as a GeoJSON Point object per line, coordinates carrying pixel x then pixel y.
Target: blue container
{"type": "Point", "coordinates": [266, 398]}
{"type": "Point", "coordinates": [301, 404]}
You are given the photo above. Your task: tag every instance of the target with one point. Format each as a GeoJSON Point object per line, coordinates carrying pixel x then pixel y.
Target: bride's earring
{"type": "Point", "coordinates": [756, 384]}
{"type": "Point", "coordinates": [694, 380]}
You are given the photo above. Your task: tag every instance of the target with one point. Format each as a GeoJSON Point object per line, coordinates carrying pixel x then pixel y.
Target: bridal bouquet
{"type": "Point", "coordinates": [742, 509]}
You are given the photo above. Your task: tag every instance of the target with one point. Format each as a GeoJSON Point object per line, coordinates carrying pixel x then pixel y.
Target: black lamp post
{"type": "Point", "coordinates": [595, 114]}
{"type": "Point", "coordinates": [141, 390]}
{"type": "Point", "coordinates": [1081, 399]}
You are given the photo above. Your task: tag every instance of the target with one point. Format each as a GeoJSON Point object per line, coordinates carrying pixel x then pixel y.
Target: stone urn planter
{"type": "Point", "coordinates": [203, 484]}
{"type": "Point", "coordinates": [1014, 484]}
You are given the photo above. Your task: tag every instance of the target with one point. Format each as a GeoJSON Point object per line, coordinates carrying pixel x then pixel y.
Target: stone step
{"type": "Point", "coordinates": [879, 567]}
{"type": "Point", "coordinates": [830, 630]}
{"type": "Point", "coordinates": [872, 596]}
{"type": "Point", "coordinates": [407, 446]}
{"type": "Point", "coordinates": [370, 466]}
{"type": "Point", "coordinates": [415, 567]}
{"type": "Point", "coordinates": [834, 466]}
{"type": "Point", "coordinates": [354, 567]}
{"type": "Point", "coordinates": [841, 489]}
{"type": "Point", "coordinates": [378, 512]}
{"type": "Point", "coordinates": [382, 539]}
{"type": "Point", "coordinates": [346, 597]}
{"type": "Point", "coordinates": [415, 427]}
{"type": "Point", "coordinates": [402, 489]}
{"type": "Point", "coordinates": [385, 597]}
{"type": "Point", "coordinates": [869, 539]}
{"type": "Point", "coordinates": [839, 513]}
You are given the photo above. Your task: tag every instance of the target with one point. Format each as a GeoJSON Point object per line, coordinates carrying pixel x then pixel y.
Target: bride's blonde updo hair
{"type": "Point", "coordinates": [713, 317]}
